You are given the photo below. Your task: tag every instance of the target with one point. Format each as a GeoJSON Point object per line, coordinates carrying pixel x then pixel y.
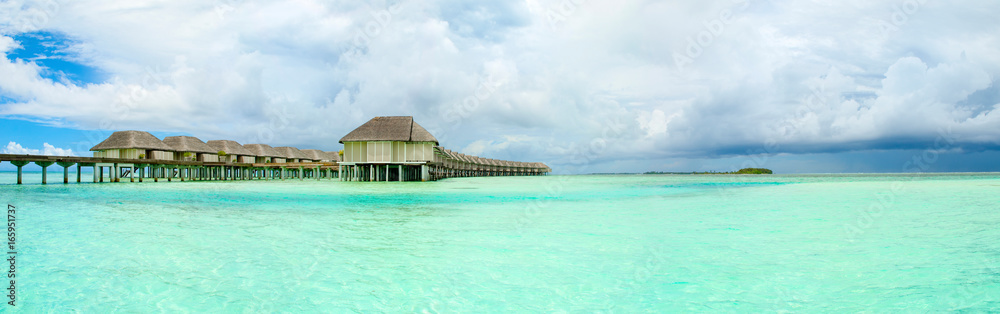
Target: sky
{"type": "Point", "coordinates": [586, 86]}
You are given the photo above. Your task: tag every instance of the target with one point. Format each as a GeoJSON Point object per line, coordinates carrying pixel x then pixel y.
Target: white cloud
{"type": "Point", "coordinates": [16, 149]}
{"type": "Point", "coordinates": [55, 151]}
{"type": "Point", "coordinates": [476, 148]}
{"type": "Point", "coordinates": [7, 44]}
{"type": "Point", "coordinates": [655, 122]}
{"type": "Point", "coordinates": [814, 76]}
{"type": "Point", "coordinates": [47, 149]}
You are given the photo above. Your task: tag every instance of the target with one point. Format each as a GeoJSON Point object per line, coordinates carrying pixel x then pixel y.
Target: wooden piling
{"type": "Point", "coordinates": [65, 166]}
{"type": "Point", "coordinates": [19, 164]}
{"type": "Point", "coordinates": [45, 169]}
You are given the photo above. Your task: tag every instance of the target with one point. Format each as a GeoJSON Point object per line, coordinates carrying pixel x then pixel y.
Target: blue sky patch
{"type": "Point", "coordinates": [54, 52]}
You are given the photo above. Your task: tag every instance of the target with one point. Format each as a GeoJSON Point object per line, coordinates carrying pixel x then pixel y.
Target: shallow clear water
{"type": "Point", "coordinates": [819, 243]}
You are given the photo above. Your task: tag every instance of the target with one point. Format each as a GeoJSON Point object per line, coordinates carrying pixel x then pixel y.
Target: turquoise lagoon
{"type": "Point", "coordinates": [644, 243]}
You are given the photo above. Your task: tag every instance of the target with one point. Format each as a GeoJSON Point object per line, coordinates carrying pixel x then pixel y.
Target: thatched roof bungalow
{"type": "Point", "coordinates": [389, 140]}
{"type": "Point", "coordinates": [191, 148]}
{"type": "Point", "coordinates": [390, 149]}
{"type": "Point", "coordinates": [133, 145]}
{"type": "Point", "coordinates": [314, 155]}
{"type": "Point", "coordinates": [234, 152]}
{"type": "Point", "coordinates": [264, 153]}
{"type": "Point", "coordinates": [292, 154]}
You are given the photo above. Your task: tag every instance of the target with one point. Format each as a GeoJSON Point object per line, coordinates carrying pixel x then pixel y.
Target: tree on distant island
{"type": "Point", "coordinates": [754, 171]}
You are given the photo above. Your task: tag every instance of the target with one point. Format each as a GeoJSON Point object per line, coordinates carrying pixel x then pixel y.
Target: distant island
{"type": "Point", "coordinates": [741, 171]}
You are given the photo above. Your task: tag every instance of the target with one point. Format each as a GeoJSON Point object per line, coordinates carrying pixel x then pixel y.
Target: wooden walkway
{"type": "Point", "coordinates": [139, 169]}
{"type": "Point", "coordinates": [449, 164]}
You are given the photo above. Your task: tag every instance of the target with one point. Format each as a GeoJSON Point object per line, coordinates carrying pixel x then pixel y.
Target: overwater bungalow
{"type": "Point", "coordinates": [133, 145]}
{"type": "Point", "coordinates": [188, 148]}
{"type": "Point", "coordinates": [388, 149]}
{"type": "Point", "coordinates": [315, 155]}
{"type": "Point", "coordinates": [264, 153]}
{"type": "Point", "coordinates": [292, 154]}
{"type": "Point", "coordinates": [234, 152]}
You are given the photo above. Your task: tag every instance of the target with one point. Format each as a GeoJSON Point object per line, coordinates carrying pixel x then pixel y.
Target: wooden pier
{"type": "Point", "coordinates": [449, 164]}
{"type": "Point", "coordinates": [119, 169]}
{"type": "Point", "coordinates": [383, 149]}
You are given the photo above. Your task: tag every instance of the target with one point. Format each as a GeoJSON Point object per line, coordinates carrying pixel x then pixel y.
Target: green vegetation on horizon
{"type": "Point", "coordinates": [755, 171]}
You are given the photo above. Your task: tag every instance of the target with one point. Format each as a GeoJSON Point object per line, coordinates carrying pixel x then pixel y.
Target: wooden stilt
{"type": "Point", "coordinates": [66, 166]}
{"type": "Point", "coordinates": [19, 164]}
{"type": "Point", "coordinates": [45, 169]}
